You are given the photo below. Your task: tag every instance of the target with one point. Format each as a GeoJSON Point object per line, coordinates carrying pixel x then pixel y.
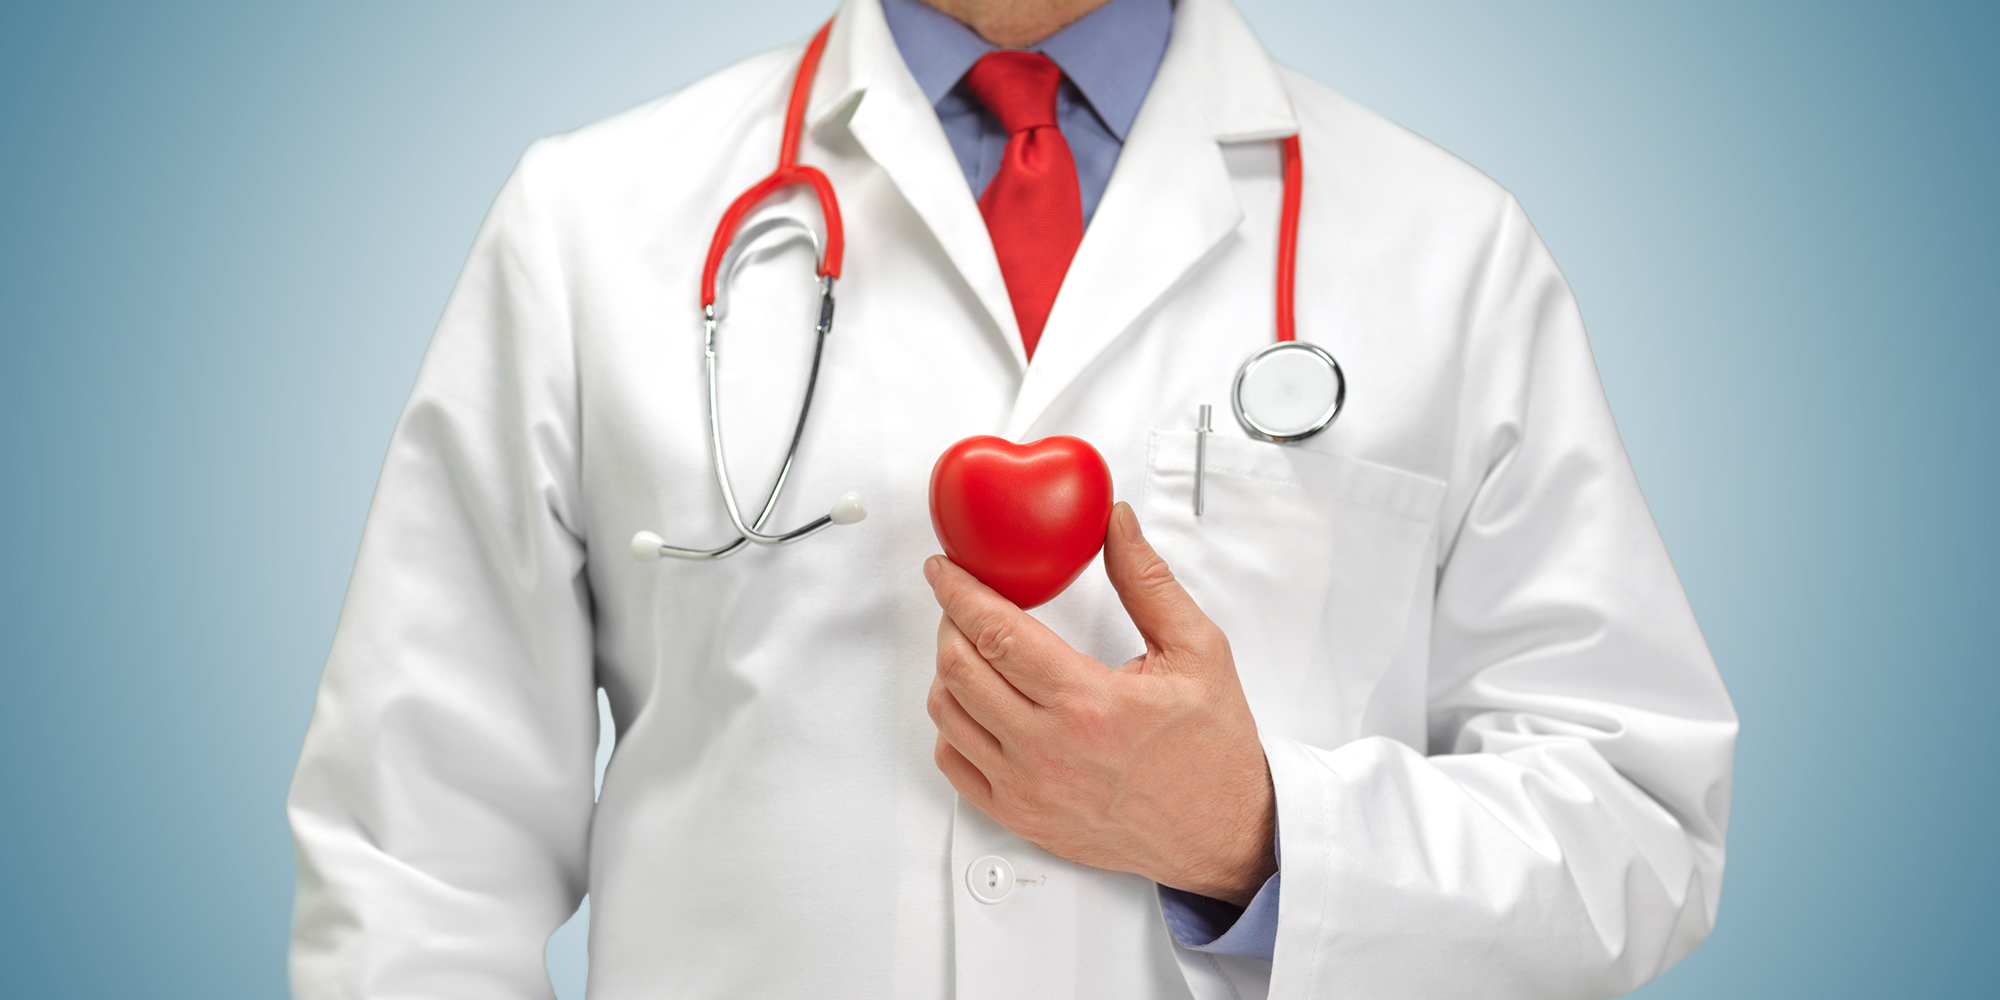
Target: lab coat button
{"type": "Point", "coordinates": [990, 878]}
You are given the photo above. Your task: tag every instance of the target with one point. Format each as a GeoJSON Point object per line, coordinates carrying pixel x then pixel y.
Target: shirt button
{"type": "Point", "coordinates": [991, 879]}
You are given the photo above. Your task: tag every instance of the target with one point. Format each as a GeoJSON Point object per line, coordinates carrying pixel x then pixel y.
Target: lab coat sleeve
{"type": "Point", "coordinates": [442, 804]}
{"type": "Point", "coordinates": [1563, 836]}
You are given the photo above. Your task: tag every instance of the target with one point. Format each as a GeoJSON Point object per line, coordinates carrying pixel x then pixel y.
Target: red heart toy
{"type": "Point", "coordinates": [1023, 518]}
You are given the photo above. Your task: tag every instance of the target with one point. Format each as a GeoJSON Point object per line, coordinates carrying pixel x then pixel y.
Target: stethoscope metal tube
{"type": "Point", "coordinates": [848, 508]}
{"type": "Point", "coordinates": [751, 531]}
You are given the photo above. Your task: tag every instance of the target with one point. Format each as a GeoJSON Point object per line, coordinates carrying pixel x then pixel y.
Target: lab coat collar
{"type": "Point", "coordinates": [864, 84]}
{"type": "Point", "coordinates": [1169, 203]}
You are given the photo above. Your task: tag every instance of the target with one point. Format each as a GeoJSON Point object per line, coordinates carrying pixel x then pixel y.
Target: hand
{"type": "Point", "coordinates": [1153, 768]}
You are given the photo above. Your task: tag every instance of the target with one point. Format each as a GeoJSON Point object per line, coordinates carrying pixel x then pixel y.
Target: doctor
{"type": "Point", "coordinates": [1414, 707]}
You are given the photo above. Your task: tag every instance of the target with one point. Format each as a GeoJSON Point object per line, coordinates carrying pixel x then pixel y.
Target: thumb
{"type": "Point", "coordinates": [1166, 616]}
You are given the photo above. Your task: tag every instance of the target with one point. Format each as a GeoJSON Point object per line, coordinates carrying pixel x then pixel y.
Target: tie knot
{"type": "Point", "coordinates": [1018, 87]}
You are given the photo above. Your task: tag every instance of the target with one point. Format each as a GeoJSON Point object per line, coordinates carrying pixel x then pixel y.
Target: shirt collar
{"type": "Point", "coordinates": [1110, 54]}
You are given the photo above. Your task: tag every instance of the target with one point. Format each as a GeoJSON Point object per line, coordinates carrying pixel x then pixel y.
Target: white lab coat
{"type": "Point", "coordinates": [1501, 752]}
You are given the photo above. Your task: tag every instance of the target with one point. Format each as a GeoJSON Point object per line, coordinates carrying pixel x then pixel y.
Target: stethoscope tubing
{"type": "Point", "coordinates": [828, 258]}
{"type": "Point", "coordinates": [790, 172]}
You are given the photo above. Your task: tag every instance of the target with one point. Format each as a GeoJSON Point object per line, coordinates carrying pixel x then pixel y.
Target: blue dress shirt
{"type": "Point", "coordinates": [1108, 58]}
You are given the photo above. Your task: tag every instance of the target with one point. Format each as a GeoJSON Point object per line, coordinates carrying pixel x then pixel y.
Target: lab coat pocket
{"type": "Point", "coordinates": [1309, 562]}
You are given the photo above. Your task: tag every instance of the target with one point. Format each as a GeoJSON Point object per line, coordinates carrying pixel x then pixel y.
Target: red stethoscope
{"type": "Point", "coordinates": [1285, 391]}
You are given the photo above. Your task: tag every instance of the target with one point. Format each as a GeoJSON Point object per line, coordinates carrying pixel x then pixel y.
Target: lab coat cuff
{"type": "Point", "coordinates": [1304, 787]}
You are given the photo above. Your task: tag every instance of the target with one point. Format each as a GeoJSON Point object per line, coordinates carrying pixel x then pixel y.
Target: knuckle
{"type": "Point", "coordinates": [1153, 572]}
{"type": "Point", "coordinates": [992, 636]}
{"type": "Point", "coordinates": [955, 662]}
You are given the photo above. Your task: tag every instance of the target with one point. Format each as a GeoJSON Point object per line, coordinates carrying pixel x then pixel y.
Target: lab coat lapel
{"type": "Point", "coordinates": [864, 72]}
{"type": "Point", "coordinates": [1170, 200]}
{"type": "Point", "coordinates": [1169, 203]}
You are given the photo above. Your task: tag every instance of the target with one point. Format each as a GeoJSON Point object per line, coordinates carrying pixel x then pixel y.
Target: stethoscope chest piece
{"type": "Point", "coordinates": [1288, 391]}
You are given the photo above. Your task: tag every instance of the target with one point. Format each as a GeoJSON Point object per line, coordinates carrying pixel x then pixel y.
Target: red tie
{"type": "Point", "coordinates": [1032, 208]}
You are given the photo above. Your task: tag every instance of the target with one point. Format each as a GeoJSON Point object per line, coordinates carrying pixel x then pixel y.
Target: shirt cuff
{"type": "Point", "coordinates": [1199, 923]}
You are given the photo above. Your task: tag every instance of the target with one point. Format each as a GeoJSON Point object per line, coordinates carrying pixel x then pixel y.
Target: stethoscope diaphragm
{"type": "Point", "coordinates": [1288, 391]}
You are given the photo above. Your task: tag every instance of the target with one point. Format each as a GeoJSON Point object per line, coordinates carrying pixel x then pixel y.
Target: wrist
{"type": "Point", "coordinates": [1238, 865]}
{"type": "Point", "coordinates": [1249, 877]}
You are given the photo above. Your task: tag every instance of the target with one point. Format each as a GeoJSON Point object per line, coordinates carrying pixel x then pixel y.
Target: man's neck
{"type": "Point", "coordinates": [1016, 24]}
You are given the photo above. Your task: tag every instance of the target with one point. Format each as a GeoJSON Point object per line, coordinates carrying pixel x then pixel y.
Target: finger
{"type": "Point", "coordinates": [1032, 658]}
{"type": "Point", "coordinates": [1160, 607]}
{"type": "Point", "coordinates": [967, 779]}
{"type": "Point", "coordinates": [962, 730]}
{"type": "Point", "coordinates": [980, 689]}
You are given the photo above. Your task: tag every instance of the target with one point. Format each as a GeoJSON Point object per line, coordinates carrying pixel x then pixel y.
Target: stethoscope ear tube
{"type": "Point", "coordinates": [750, 530]}
{"type": "Point", "coordinates": [848, 509]}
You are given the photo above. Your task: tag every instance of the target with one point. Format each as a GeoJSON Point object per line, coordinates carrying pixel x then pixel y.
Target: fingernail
{"type": "Point", "coordinates": [932, 567]}
{"type": "Point", "coordinates": [1128, 523]}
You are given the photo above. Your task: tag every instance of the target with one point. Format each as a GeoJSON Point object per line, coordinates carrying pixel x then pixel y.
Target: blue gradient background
{"type": "Point", "coordinates": [225, 231]}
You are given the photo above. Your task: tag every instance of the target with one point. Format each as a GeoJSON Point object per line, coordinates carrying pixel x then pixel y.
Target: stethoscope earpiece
{"type": "Point", "coordinates": [848, 509]}
{"type": "Point", "coordinates": [646, 546]}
